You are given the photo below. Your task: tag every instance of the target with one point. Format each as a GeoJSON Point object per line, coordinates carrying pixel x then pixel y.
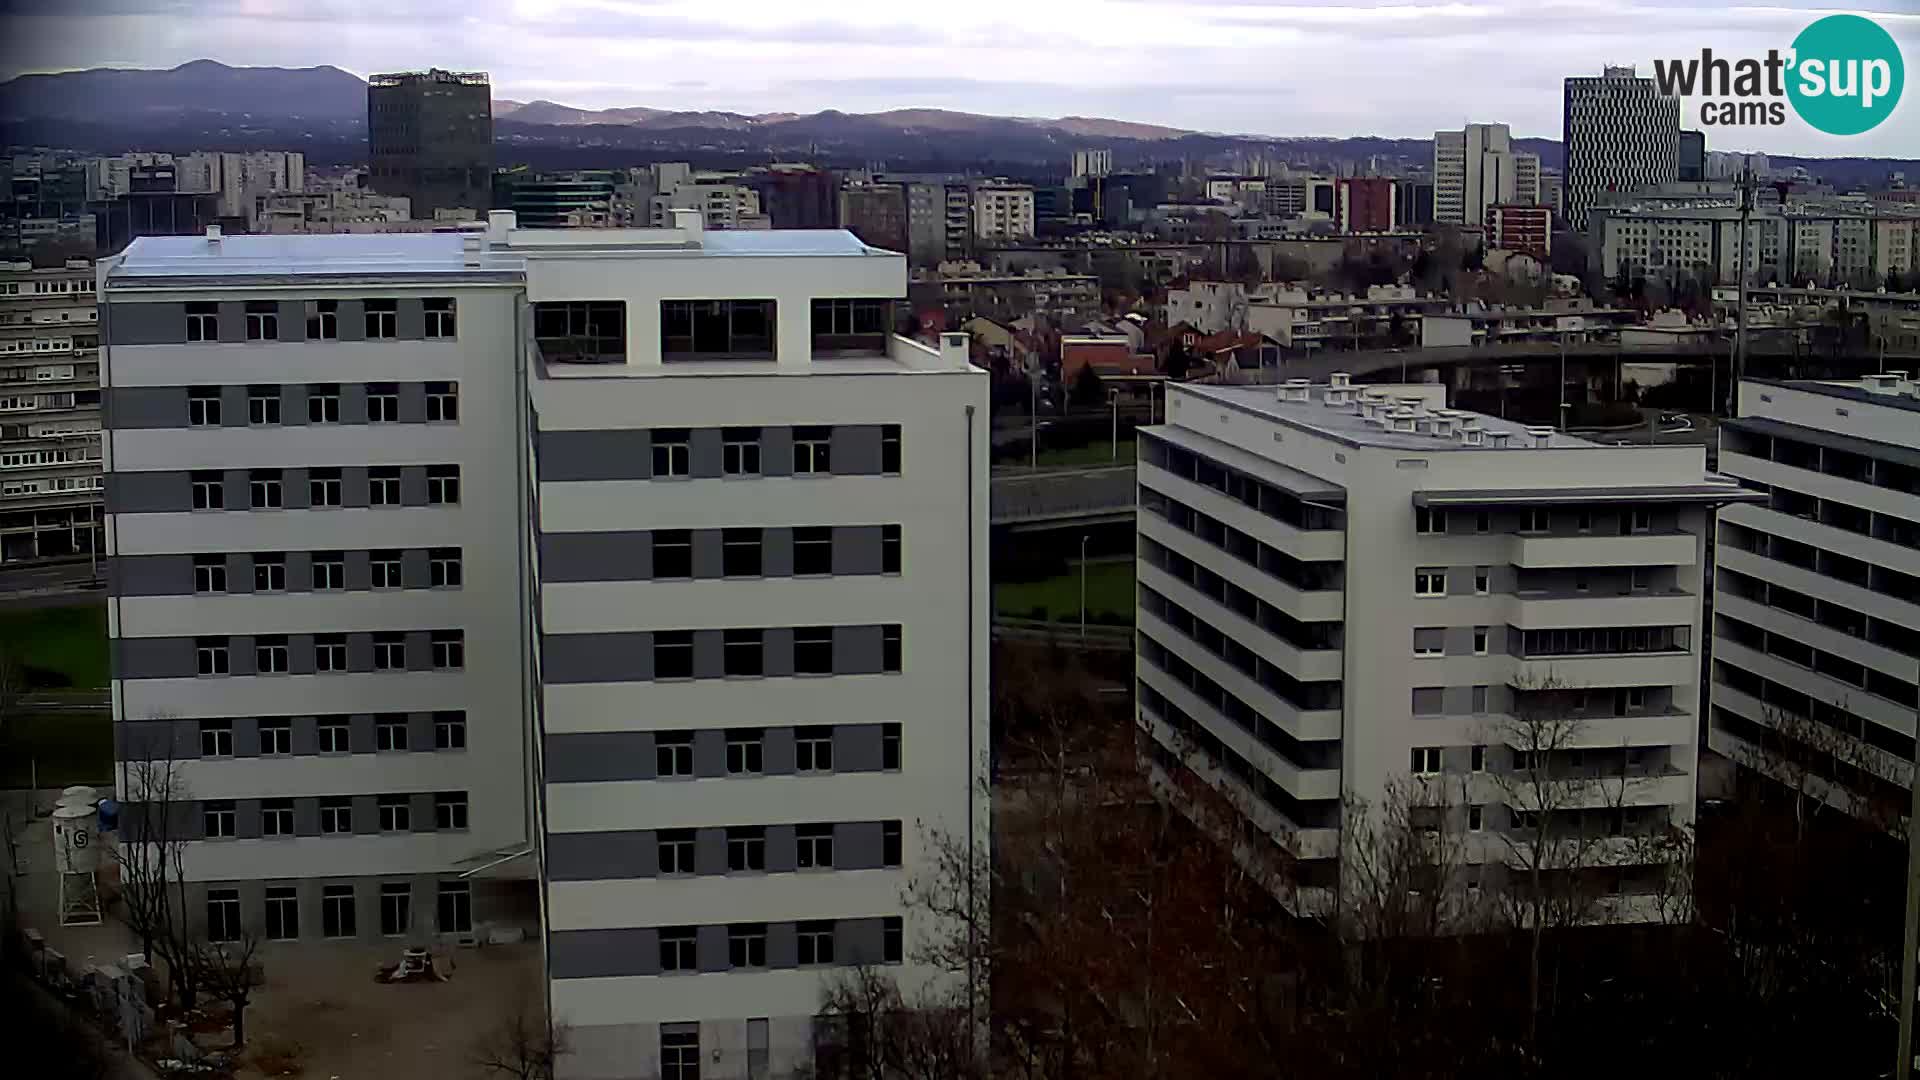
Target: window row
{"type": "Point", "coordinates": [281, 915]}
{"type": "Point", "coordinates": [814, 945]}
{"type": "Point", "coordinates": [1828, 613]}
{"type": "Point", "coordinates": [1542, 521]}
{"type": "Point", "coordinates": [747, 652]}
{"type": "Point", "coordinates": [1827, 563]}
{"type": "Point", "coordinates": [719, 452]}
{"type": "Point", "coordinates": [1829, 460]}
{"type": "Point", "coordinates": [274, 404]}
{"type": "Point", "coordinates": [1310, 576]}
{"type": "Point", "coordinates": [674, 751]}
{"type": "Point", "coordinates": [291, 654]}
{"type": "Point", "coordinates": [1791, 649]}
{"type": "Point", "coordinates": [319, 571]}
{"type": "Point", "coordinates": [763, 849]}
{"type": "Point", "coordinates": [741, 450]}
{"type": "Point", "coordinates": [321, 488]}
{"type": "Point", "coordinates": [595, 331]}
{"type": "Point", "coordinates": [1250, 491]}
{"type": "Point", "coordinates": [373, 319]}
{"type": "Point", "coordinates": [679, 554]}
{"type": "Point", "coordinates": [326, 815]}
{"type": "Point", "coordinates": [1302, 635]}
{"type": "Point", "coordinates": [271, 736]}
{"type": "Point", "coordinates": [1298, 693]}
{"type": "Point", "coordinates": [1842, 515]}
{"type": "Point", "coordinates": [1189, 737]}
{"type": "Point", "coordinates": [711, 753]}
{"type": "Point", "coordinates": [1304, 755]}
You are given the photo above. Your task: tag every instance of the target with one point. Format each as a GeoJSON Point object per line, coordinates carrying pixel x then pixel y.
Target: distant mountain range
{"type": "Point", "coordinates": [322, 110]}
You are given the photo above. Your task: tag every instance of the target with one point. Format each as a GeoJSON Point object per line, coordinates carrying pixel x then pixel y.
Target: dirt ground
{"type": "Point", "coordinates": [320, 998]}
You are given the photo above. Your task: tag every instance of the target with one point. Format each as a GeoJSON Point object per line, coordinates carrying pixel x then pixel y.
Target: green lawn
{"type": "Point", "coordinates": [56, 749]}
{"type": "Point", "coordinates": [1109, 593]}
{"type": "Point", "coordinates": [1098, 452]}
{"type": "Point", "coordinates": [69, 642]}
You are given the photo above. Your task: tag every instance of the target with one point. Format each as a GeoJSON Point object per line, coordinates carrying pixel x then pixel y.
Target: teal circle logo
{"type": "Point", "coordinates": [1847, 75]}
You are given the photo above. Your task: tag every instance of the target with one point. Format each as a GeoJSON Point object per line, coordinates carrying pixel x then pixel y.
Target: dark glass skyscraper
{"type": "Point", "coordinates": [430, 138]}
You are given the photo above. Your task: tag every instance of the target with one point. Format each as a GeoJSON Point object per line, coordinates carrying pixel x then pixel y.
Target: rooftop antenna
{"type": "Point", "coordinates": [1740, 308]}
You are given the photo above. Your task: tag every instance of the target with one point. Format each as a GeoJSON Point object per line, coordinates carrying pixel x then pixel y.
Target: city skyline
{"type": "Point", "coordinates": [1269, 68]}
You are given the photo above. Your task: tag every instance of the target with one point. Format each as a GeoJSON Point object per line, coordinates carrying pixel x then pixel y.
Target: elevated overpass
{"type": "Point", "coordinates": [1050, 498]}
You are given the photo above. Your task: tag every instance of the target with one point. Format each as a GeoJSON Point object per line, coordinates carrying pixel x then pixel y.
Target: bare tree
{"type": "Point", "coordinates": [879, 1034]}
{"type": "Point", "coordinates": [523, 1044]}
{"type": "Point", "coordinates": [150, 858]}
{"type": "Point", "coordinates": [231, 972]}
{"type": "Point", "coordinates": [1814, 760]}
{"type": "Point", "coordinates": [1402, 861]}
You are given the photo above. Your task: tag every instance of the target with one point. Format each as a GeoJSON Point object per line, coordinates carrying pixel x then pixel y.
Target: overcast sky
{"type": "Point", "coordinates": [1275, 67]}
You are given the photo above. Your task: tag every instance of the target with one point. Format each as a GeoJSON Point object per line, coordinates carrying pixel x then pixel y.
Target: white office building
{"type": "Point", "coordinates": [1620, 134]}
{"type": "Point", "coordinates": [1816, 648]}
{"type": "Point", "coordinates": [49, 412]}
{"type": "Point", "coordinates": [1343, 588]}
{"type": "Point", "coordinates": [625, 586]}
{"type": "Point", "coordinates": [1477, 167]}
{"type": "Point", "coordinates": [1002, 212]}
{"type": "Point", "coordinates": [1094, 163]}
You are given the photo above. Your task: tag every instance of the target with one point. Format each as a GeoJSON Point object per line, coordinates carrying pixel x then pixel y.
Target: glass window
{"type": "Point", "coordinates": [813, 550]}
{"type": "Point", "coordinates": [815, 847]}
{"type": "Point", "coordinates": [677, 948]}
{"type": "Point", "coordinates": [813, 650]}
{"type": "Point", "coordinates": [890, 448]}
{"type": "Point", "coordinates": [443, 402]}
{"type": "Point", "coordinates": [324, 487]}
{"type": "Point", "coordinates": [216, 738]}
{"type": "Point", "coordinates": [335, 735]}
{"type": "Point", "coordinates": [276, 735]}
{"type": "Point", "coordinates": [209, 573]}
{"type": "Point", "coordinates": [670, 452]}
{"type": "Point", "coordinates": [744, 652]}
{"type": "Point", "coordinates": [223, 915]}
{"type": "Point", "coordinates": [740, 552]}
{"type": "Point", "coordinates": [396, 908]}
{"type": "Point", "coordinates": [672, 553]}
{"type": "Point", "coordinates": [717, 329]}
{"type": "Point", "coordinates": [383, 485]}
{"type": "Point", "coordinates": [745, 748]}
{"type": "Point", "coordinates": [443, 485]}
{"type": "Point", "coordinates": [263, 489]}
{"type": "Point", "coordinates": [336, 911]}
{"type": "Point", "coordinates": [816, 942]}
{"type": "Point", "coordinates": [890, 843]}
{"type": "Point", "coordinates": [383, 403]}
{"type": "Point", "coordinates": [746, 848]}
{"type": "Point", "coordinates": [890, 644]}
{"type": "Point", "coordinates": [209, 491]}
{"type": "Point", "coordinates": [390, 732]}
{"type": "Point", "coordinates": [384, 569]}
{"type": "Point", "coordinates": [396, 813]}
{"type": "Point", "coordinates": [454, 907]}
{"type": "Point", "coordinates": [336, 815]}
{"type": "Point", "coordinates": [283, 912]}
{"type": "Point", "coordinates": [269, 572]}
{"type": "Point", "coordinates": [676, 851]}
{"type": "Point", "coordinates": [740, 452]}
{"type": "Point", "coordinates": [383, 319]}
{"type": "Point", "coordinates": [673, 754]}
{"type": "Point", "coordinates": [450, 810]}
{"type": "Point", "coordinates": [813, 749]}
{"type": "Point", "coordinates": [449, 731]}
{"type": "Point", "coordinates": [217, 818]}
{"type": "Point", "coordinates": [263, 405]}
{"type": "Point", "coordinates": [889, 549]}
{"type": "Point", "coordinates": [679, 1053]}
{"type": "Point", "coordinates": [812, 450]}
{"type": "Point", "coordinates": [323, 320]}
{"type": "Point", "coordinates": [203, 406]}
{"type": "Point", "coordinates": [329, 570]}
{"type": "Point", "coordinates": [276, 817]}
{"type": "Point", "coordinates": [439, 312]}
{"type": "Point", "coordinates": [673, 654]}
{"type": "Point", "coordinates": [449, 650]}
{"type": "Point", "coordinates": [747, 945]}
{"type": "Point", "coordinates": [203, 321]}
{"type": "Point", "coordinates": [323, 403]}
{"type": "Point", "coordinates": [443, 568]}
{"type": "Point", "coordinates": [210, 656]}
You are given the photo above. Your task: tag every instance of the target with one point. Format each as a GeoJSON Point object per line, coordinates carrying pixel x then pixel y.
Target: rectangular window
{"type": "Point", "coordinates": [813, 550]}
{"type": "Point", "coordinates": [744, 652]}
{"type": "Point", "coordinates": [813, 749]}
{"type": "Point", "coordinates": [745, 748]}
{"type": "Point", "coordinates": [889, 549]}
{"type": "Point", "coordinates": [890, 747]}
{"type": "Point", "coordinates": [269, 572]}
{"type": "Point", "coordinates": [323, 320]}
{"type": "Point", "coordinates": [390, 732]}
{"type": "Point", "coordinates": [890, 843]}
{"type": "Point", "coordinates": [1482, 522]}
{"type": "Point", "coordinates": [1476, 819]}
{"type": "Point", "coordinates": [1428, 521]}
{"type": "Point", "coordinates": [263, 489]}
{"type": "Point", "coordinates": [672, 553]}
{"type": "Point", "coordinates": [815, 847]}
{"type": "Point", "coordinates": [263, 405]}
{"type": "Point", "coordinates": [671, 449]}
{"type": "Point", "coordinates": [223, 915]}
{"type": "Point", "coordinates": [676, 852]}
{"type": "Point", "coordinates": [1640, 521]}
{"type": "Point", "coordinates": [716, 329]}
{"type": "Point", "coordinates": [1429, 641]}
{"type": "Point", "coordinates": [740, 552]}
{"type": "Point", "coordinates": [1583, 521]}
{"type": "Point", "coordinates": [323, 403]}
{"type": "Point", "coordinates": [679, 1054]}
{"type": "Point", "coordinates": [449, 731]}
{"type": "Point", "coordinates": [209, 573]}
{"type": "Point", "coordinates": [1479, 699]}
{"type": "Point", "coordinates": [812, 450]}
{"type": "Point", "coordinates": [1479, 759]}
{"type": "Point", "coordinates": [210, 655]}
{"type": "Point", "coordinates": [1429, 581]}
{"type": "Point", "coordinates": [1482, 580]}
{"type": "Point", "coordinates": [740, 452]}
{"type": "Point", "coordinates": [276, 735]}
{"type": "Point", "coordinates": [217, 818]}
{"type": "Point", "coordinates": [443, 485]}
{"type": "Point", "coordinates": [677, 951]}
{"type": "Point", "coordinates": [329, 570]}
{"type": "Point", "coordinates": [216, 738]}
{"type": "Point", "coordinates": [384, 569]}
{"type": "Point", "coordinates": [747, 945]}
{"type": "Point", "coordinates": [203, 321]}
{"type": "Point", "coordinates": [396, 908]}
{"type": "Point", "coordinates": [673, 654]}
{"type": "Point", "coordinates": [335, 735]}
{"type": "Point", "coordinates": [746, 849]}
{"type": "Point", "coordinates": [450, 810]}
{"type": "Point", "coordinates": [383, 486]}
{"type": "Point", "coordinates": [1480, 635]}
{"type": "Point", "coordinates": [209, 491]}
{"type": "Point", "coordinates": [1636, 698]}
{"type": "Point", "coordinates": [1426, 760]}
{"type": "Point", "coordinates": [203, 406]}
{"type": "Point", "coordinates": [439, 312]}
{"type": "Point", "coordinates": [890, 643]}
{"type": "Point", "coordinates": [673, 754]}
{"type": "Point", "coordinates": [893, 940]}
{"type": "Point", "coordinates": [324, 487]}
{"type": "Point", "coordinates": [449, 650]}
{"type": "Point", "coordinates": [383, 403]}
{"type": "Point", "coordinates": [383, 319]}
{"type": "Point", "coordinates": [396, 813]}
{"type": "Point", "coordinates": [443, 568]}
{"type": "Point", "coordinates": [454, 907]}
{"type": "Point", "coordinates": [855, 325]}
{"type": "Point", "coordinates": [890, 449]}
{"type": "Point", "coordinates": [1535, 520]}
{"type": "Point", "coordinates": [336, 911]}
{"type": "Point", "coordinates": [276, 817]}
{"type": "Point", "coordinates": [443, 402]}
{"type": "Point", "coordinates": [581, 332]}
{"type": "Point", "coordinates": [813, 650]}
{"type": "Point", "coordinates": [816, 943]}
{"type": "Point", "coordinates": [283, 912]}
{"type": "Point", "coordinates": [336, 815]}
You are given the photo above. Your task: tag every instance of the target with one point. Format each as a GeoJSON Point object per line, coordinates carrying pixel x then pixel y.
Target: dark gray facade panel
{"type": "Point", "coordinates": [708, 661]}
{"type": "Point", "coordinates": [157, 739]}
{"type": "Point", "coordinates": [596, 455]}
{"type": "Point", "coordinates": [776, 751]}
{"type": "Point", "coordinates": [306, 732]}
{"type": "Point", "coordinates": [151, 575]}
{"type": "Point", "coordinates": [710, 851]}
{"type": "Point", "coordinates": [354, 489]}
{"type": "Point", "coordinates": [294, 493]}
{"type": "Point", "coordinates": [602, 856]}
{"type": "Point", "coordinates": [154, 658]}
{"type": "Point", "coordinates": [856, 748]}
{"type": "Point", "coordinates": [357, 571]}
{"type": "Point", "coordinates": [246, 819]}
{"type": "Point", "coordinates": [366, 810]}
{"type": "Point", "coordinates": [246, 736]}
{"type": "Point", "coordinates": [587, 658]}
{"type": "Point", "coordinates": [239, 572]}
{"type": "Point", "coordinates": [149, 492]}
{"type": "Point", "coordinates": [413, 485]}
{"type": "Point", "coordinates": [130, 408]}
{"type": "Point", "coordinates": [420, 734]}
{"type": "Point", "coordinates": [782, 849]}
{"type": "Point", "coordinates": [856, 450]}
{"type": "Point", "coordinates": [776, 451]}
{"type": "Point", "coordinates": [704, 453]}
{"type": "Point", "coordinates": [857, 846]}
{"type": "Point", "coordinates": [413, 401]}
{"type": "Point", "coordinates": [857, 650]}
{"type": "Point", "coordinates": [709, 753]}
{"type": "Point", "coordinates": [353, 320]}
{"type": "Point", "coordinates": [410, 323]}
{"type": "Point", "coordinates": [592, 954]}
{"type": "Point", "coordinates": [600, 556]}
{"type": "Point", "coordinates": [783, 945]}
{"type": "Point", "coordinates": [421, 809]}
{"type": "Point", "coordinates": [353, 402]}
{"type": "Point", "coordinates": [306, 817]}
{"type": "Point", "coordinates": [776, 552]}
{"type": "Point", "coordinates": [710, 948]}
{"type": "Point", "coordinates": [596, 756]}
{"type": "Point", "coordinates": [293, 320]}
{"type": "Point", "coordinates": [419, 650]}
{"type": "Point", "coordinates": [147, 324]}
{"type": "Point", "coordinates": [360, 656]}
{"type": "Point", "coordinates": [300, 654]}
{"type": "Point", "coordinates": [858, 941]}
{"type": "Point", "coordinates": [856, 549]}
{"type": "Point", "coordinates": [777, 643]}
{"type": "Point", "coordinates": [360, 728]}
{"type": "Point", "coordinates": [233, 320]}
{"type": "Point", "coordinates": [235, 482]}
{"type": "Point", "coordinates": [415, 571]}
{"type": "Point", "coordinates": [233, 406]}
{"type": "Point", "coordinates": [299, 571]}
{"type": "Point", "coordinates": [707, 553]}
{"type": "Point", "coordinates": [293, 404]}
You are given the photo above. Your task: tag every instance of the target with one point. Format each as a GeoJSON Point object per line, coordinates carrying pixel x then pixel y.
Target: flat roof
{"type": "Point", "coordinates": [1347, 426]}
{"type": "Point", "coordinates": [1701, 491]}
{"type": "Point", "coordinates": [1851, 391]}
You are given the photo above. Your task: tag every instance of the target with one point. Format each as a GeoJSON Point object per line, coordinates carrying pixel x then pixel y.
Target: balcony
{"type": "Point", "coordinates": [1552, 610]}
{"type": "Point", "coordinates": [1585, 550]}
{"type": "Point", "coordinates": [1674, 668]}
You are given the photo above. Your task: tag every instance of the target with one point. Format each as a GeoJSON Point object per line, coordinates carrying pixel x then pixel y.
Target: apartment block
{"type": "Point", "coordinates": [1816, 649]}
{"type": "Point", "coordinates": [1002, 212]}
{"type": "Point", "coordinates": [1620, 133]}
{"type": "Point", "coordinates": [1346, 588]}
{"type": "Point", "coordinates": [1476, 168]}
{"type": "Point", "coordinates": [49, 412]}
{"type": "Point", "coordinates": [634, 580]}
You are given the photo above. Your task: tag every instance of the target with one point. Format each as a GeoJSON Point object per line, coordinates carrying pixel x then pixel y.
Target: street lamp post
{"type": "Point", "coordinates": [1033, 417]}
{"type": "Point", "coordinates": [1113, 398]}
{"type": "Point", "coordinates": [1083, 590]}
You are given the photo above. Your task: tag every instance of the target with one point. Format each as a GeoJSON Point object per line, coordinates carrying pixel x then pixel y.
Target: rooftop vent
{"type": "Point", "coordinates": [1473, 436]}
{"type": "Point", "coordinates": [1884, 383]}
{"type": "Point", "coordinates": [1540, 435]}
{"type": "Point", "coordinates": [213, 234]}
{"type": "Point", "coordinates": [1296, 390]}
{"type": "Point", "coordinates": [1340, 380]}
{"type": "Point", "coordinates": [1443, 423]}
{"type": "Point", "coordinates": [1498, 439]}
{"type": "Point", "coordinates": [1338, 396]}
{"type": "Point", "coordinates": [1402, 420]}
